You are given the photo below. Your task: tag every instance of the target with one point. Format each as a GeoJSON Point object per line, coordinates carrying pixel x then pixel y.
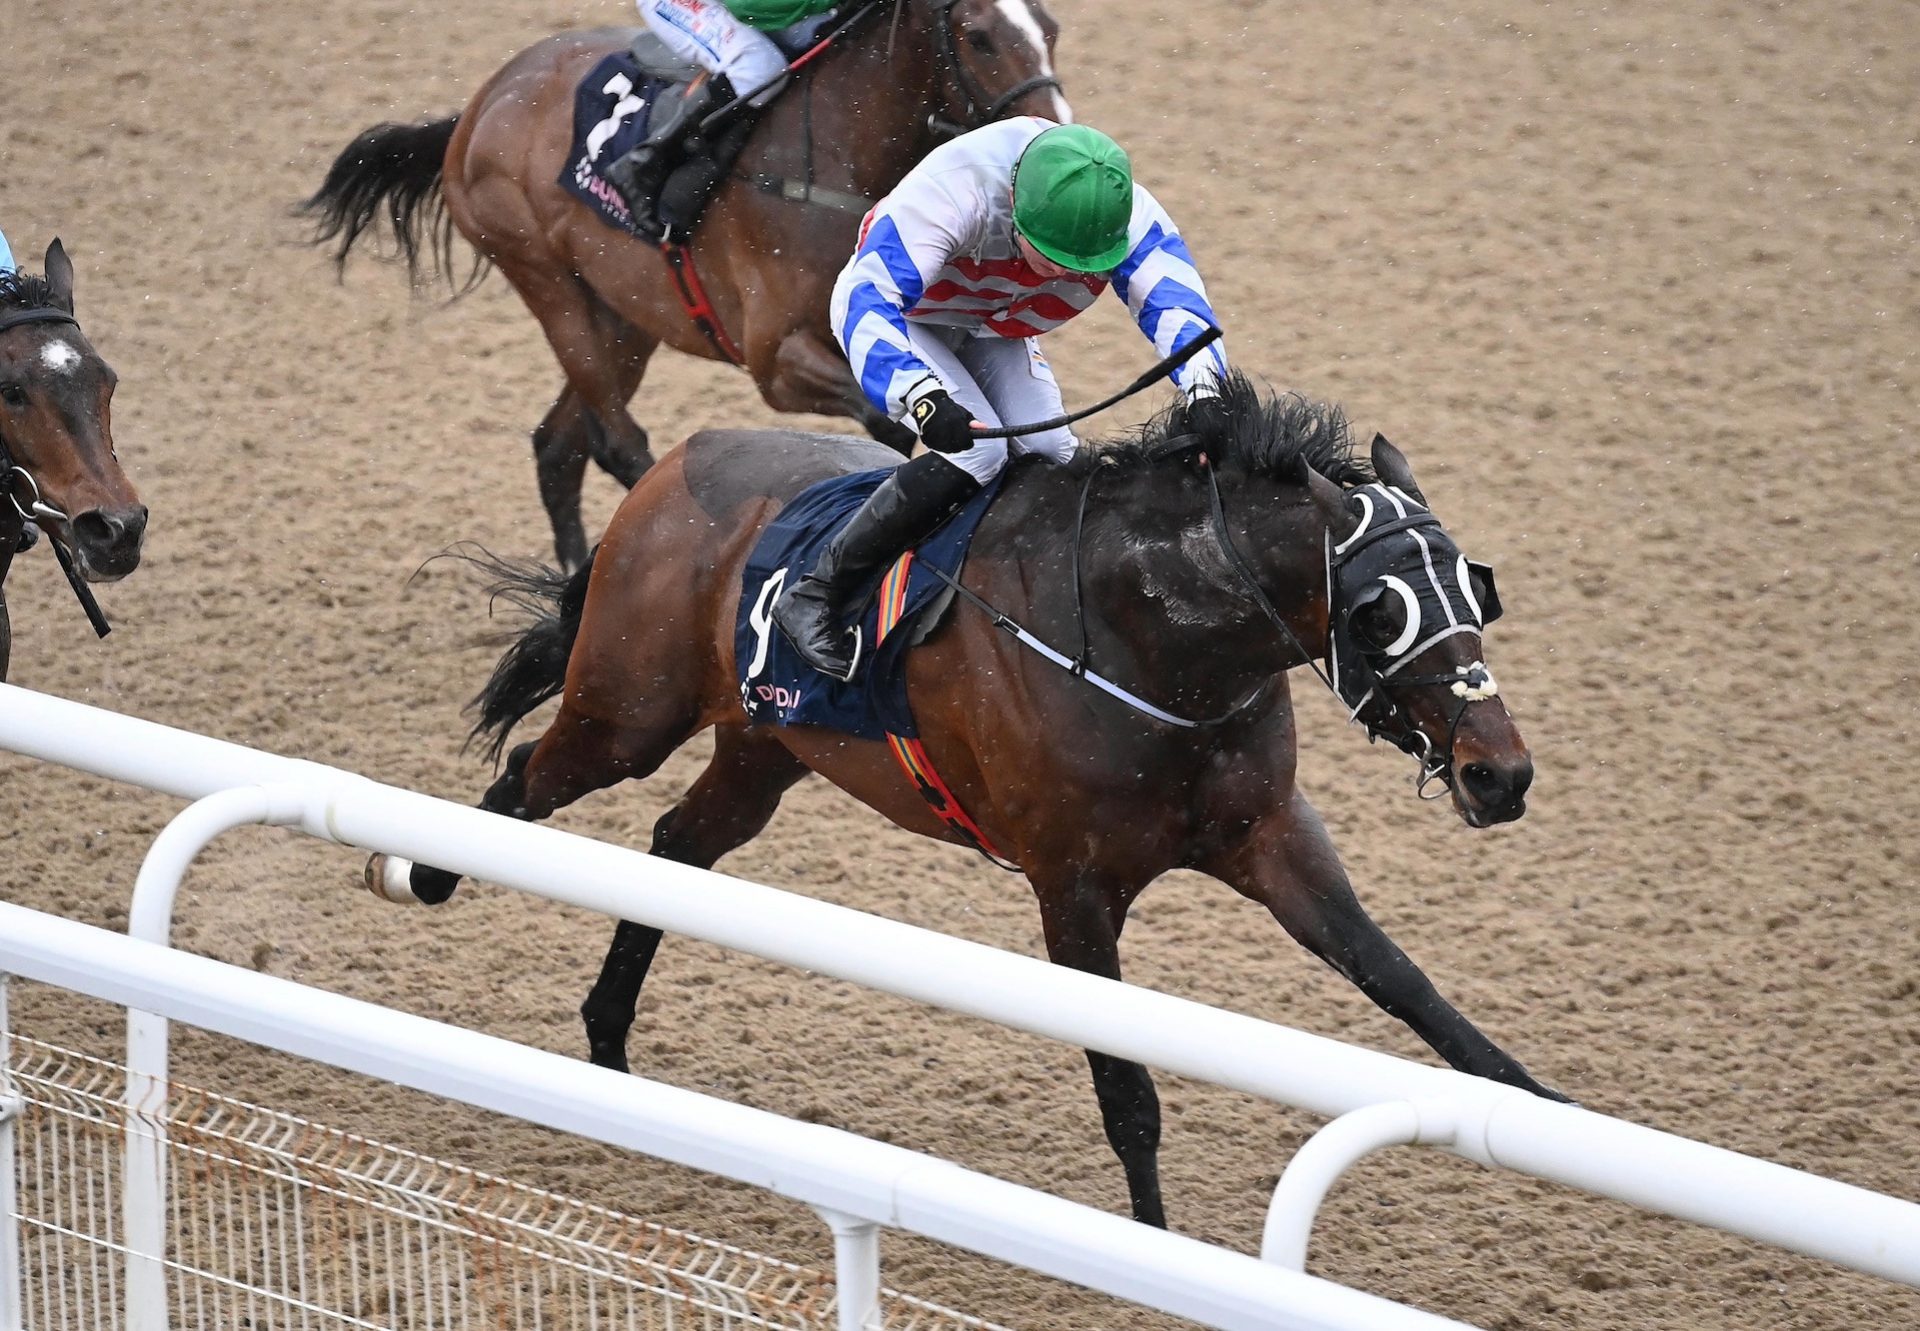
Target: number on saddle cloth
{"type": "Point", "coordinates": [613, 108]}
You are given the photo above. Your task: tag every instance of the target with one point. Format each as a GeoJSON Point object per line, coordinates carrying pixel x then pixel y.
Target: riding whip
{"type": "Point", "coordinates": [1147, 380]}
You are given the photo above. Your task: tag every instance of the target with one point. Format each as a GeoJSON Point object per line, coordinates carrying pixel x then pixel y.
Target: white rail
{"type": "Point", "coordinates": [1480, 1120]}
{"type": "Point", "coordinates": [833, 1171]}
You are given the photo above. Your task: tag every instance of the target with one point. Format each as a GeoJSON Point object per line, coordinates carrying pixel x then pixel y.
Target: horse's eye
{"type": "Point", "coordinates": [980, 42]}
{"type": "Point", "coordinates": [13, 395]}
{"type": "Point", "coordinates": [1379, 622]}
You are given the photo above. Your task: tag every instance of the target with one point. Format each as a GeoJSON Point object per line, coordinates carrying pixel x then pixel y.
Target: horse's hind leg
{"type": "Point", "coordinates": [561, 443]}
{"type": "Point", "coordinates": [727, 807]}
{"type": "Point", "coordinates": [578, 755]}
{"type": "Point", "coordinates": [604, 358]}
{"type": "Point", "coordinates": [1082, 916]}
{"type": "Point", "coordinates": [1287, 863]}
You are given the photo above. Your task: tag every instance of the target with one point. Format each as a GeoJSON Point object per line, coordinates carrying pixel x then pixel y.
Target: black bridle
{"type": "Point", "coordinates": [980, 108]}
{"type": "Point", "coordinates": [34, 508]}
{"type": "Point", "coordinates": [1381, 672]}
{"type": "Point", "coordinates": [1394, 725]}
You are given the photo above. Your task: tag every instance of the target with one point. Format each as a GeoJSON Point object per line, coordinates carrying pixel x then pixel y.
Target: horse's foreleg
{"type": "Point", "coordinates": [728, 806]}
{"type": "Point", "coordinates": [1287, 863]}
{"type": "Point", "coordinates": [618, 444]}
{"type": "Point", "coordinates": [809, 373]}
{"type": "Point", "coordinates": [1082, 923]}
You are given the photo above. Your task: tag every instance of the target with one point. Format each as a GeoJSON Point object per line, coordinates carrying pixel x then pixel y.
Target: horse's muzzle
{"type": "Point", "coordinates": [1487, 793]}
{"type": "Point", "coordinates": [106, 541]}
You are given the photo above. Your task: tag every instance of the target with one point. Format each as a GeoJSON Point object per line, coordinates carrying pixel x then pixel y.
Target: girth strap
{"type": "Point", "coordinates": [911, 754]}
{"type": "Point", "coordinates": [695, 301]}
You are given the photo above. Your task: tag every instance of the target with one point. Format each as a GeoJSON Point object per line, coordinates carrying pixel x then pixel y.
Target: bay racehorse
{"type": "Point", "coordinates": [862, 114]}
{"type": "Point", "coordinates": [1202, 571]}
{"type": "Point", "coordinates": [58, 469]}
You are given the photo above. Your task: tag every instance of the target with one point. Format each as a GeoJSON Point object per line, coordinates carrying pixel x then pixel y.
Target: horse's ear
{"type": "Point", "coordinates": [1390, 465]}
{"type": "Point", "coordinates": [60, 275]}
{"type": "Point", "coordinates": [1328, 497]}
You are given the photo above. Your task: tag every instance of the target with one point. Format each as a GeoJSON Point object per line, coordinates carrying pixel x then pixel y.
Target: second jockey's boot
{"type": "Point", "coordinates": [909, 505]}
{"type": "Point", "coordinates": [639, 175]}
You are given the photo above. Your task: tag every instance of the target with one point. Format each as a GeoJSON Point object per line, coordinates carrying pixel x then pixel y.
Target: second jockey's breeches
{"type": "Point", "coordinates": [1002, 381]}
{"type": "Point", "coordinates": [704, 32]}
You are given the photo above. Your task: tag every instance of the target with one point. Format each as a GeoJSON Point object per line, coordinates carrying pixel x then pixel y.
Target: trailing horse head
{"type": "Point", "coordinates": [55, 432]}
{"type": "Point", "coordinates": [1398, 612]}
{"type": "Point", "coordinates": [996, 59]}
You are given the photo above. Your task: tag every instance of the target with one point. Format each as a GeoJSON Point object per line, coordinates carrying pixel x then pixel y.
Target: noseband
{"type": "Point", "coordinates": [981, 109]}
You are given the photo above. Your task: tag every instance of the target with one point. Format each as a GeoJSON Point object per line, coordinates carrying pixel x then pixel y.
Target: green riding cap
{"type": "Point", "coordinates": [772, 15]}
{"type": "Point", "coordinates": [1073, 197]}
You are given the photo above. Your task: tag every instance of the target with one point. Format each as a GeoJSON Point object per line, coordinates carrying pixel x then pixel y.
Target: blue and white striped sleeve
{"type": "Point", "coordinates": [908, 240]}
{"type": "Point", "coordinates": [1162, 287]}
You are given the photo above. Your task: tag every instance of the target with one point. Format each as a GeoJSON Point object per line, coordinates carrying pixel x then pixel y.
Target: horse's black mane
{"type": "Point", "coordinates": [24, 291]}
{"type": "Point", "coordinates": [1269, 434]}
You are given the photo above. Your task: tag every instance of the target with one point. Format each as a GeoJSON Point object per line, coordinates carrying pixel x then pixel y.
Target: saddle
{"type": "Point", "coordinates": [907, 604]}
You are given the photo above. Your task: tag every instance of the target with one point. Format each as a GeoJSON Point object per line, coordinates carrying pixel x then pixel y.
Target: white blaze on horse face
{"type": "Point", "coordinates": [1019, 16]}
{"type": "Point", "coordinates": [59, 357]}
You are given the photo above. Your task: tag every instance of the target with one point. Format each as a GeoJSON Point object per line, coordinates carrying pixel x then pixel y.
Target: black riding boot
{"type": "Point", "coordinates": [639, 175]}
{"type": "Point", "coordinates": [909, 505]}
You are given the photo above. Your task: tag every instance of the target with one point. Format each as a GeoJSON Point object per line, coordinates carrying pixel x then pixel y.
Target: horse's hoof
{"type": "Point", "coordinates": [389, 878]}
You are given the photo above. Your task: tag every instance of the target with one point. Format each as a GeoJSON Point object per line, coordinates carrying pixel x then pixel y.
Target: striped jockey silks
{"type": "Point", "coordinates": [940, 249]}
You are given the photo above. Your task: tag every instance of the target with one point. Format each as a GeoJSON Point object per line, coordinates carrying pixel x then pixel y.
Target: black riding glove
{"type": "Point", "coordinates": [942, 424]}
{"type": "Point", "coordinates": [1207, 417]}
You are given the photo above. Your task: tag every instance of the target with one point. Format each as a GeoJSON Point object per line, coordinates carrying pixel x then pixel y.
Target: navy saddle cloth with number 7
{"type": "Point", "coordinates": [613, 106]}
{"type": "Point", "coordinates": [776, 686]}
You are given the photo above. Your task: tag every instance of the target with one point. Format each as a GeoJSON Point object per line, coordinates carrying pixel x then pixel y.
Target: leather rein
{"type": "Point", "coordinates": [981, 109]}
{"type": "Point", "coordinates": [1396, 727]}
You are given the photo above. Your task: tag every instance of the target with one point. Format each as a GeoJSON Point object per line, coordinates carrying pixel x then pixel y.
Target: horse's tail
{"type": "Point", "coordinates": [395, 169]}
{"type": "Point", "coordinates": [534, 666]}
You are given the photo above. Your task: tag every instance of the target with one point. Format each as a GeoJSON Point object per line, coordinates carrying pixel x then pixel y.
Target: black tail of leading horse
{"type": "Point", "coordinates": [534, 666]}
{"type": "Point", "coordinates": [392, 169]}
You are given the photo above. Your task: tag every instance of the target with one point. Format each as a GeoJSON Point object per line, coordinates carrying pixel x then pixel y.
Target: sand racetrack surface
{"type": "Point", "coordinates": [1632, 286]}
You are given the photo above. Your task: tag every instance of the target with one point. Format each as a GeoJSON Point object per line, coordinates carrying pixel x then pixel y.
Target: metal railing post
{"type": "Point", "coordinates": [856, 1270]}
{"type": "Point", "coordinates": [150, 918]}
{"type": "Point", "coordinates": [12, 1315]}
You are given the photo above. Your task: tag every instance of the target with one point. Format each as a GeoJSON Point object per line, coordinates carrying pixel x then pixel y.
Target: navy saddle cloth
{"type": "Point", "coordinates": [776, 686]}
{"type": "Point", "coordinates": [614, 104]}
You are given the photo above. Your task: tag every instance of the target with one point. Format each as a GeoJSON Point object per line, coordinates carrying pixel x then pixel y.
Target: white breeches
{"type": "Point", "coordinates": [704, 32]}
{"type": "Point", "coordinates": [1002, 381]}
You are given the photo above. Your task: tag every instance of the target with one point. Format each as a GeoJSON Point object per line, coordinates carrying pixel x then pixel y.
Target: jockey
{"type": "Point", "coordinates": [995, 238]}
{"type": "Point", "coordinates": [728, 39]}
{"type": "Point", "coordinates": [7, 264]}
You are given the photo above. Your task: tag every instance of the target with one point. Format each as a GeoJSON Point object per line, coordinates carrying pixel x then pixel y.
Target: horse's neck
{"type": "Point", "coordinates": [1165, 607]}
{"type": "Point", "coordinates": [874, 99]}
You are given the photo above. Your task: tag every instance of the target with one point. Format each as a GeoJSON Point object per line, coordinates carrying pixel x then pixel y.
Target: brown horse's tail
{"type": "Point", "coordinates": [534, 666]}
{"type": "Point", "coordinates": [393, 169]}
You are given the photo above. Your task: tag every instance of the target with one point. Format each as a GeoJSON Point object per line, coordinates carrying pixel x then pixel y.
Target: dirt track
{"type": "Point", "coordinates": [1634, 289]}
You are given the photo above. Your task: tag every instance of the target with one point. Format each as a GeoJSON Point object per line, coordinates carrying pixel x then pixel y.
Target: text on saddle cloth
{"type": "Point", "coordinates": [776, 686]}
{"type": "Point", "coordinates": [612, 108]}
{"type": "Point", "coordinates": [611, 111]}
